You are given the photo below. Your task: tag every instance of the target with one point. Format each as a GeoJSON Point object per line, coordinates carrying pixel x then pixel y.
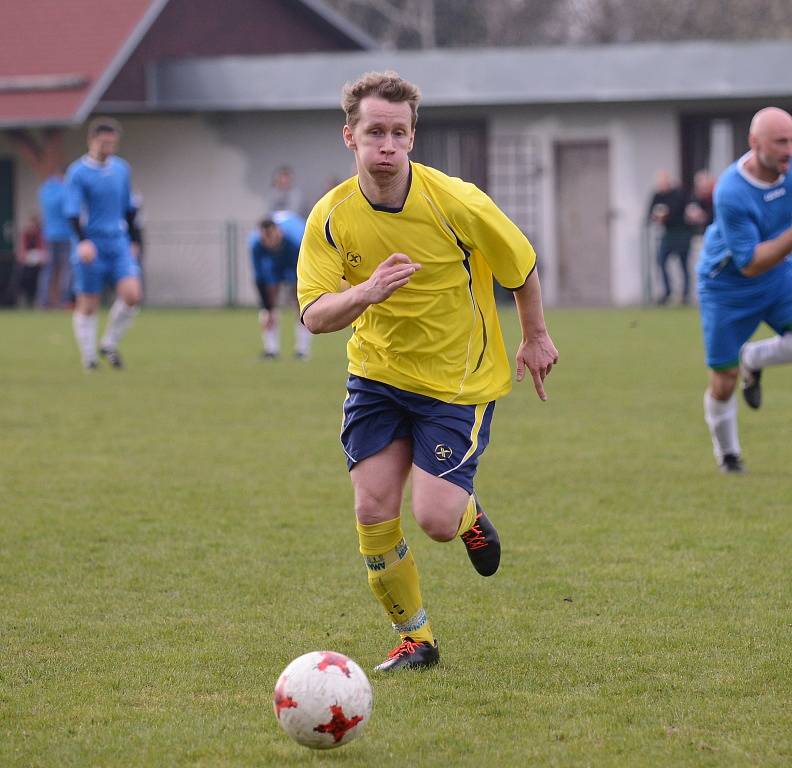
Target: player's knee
{"type": "Point", "coordinates": [439, 530]}
{"type": "Point", "coordinates": [87, 305]}
{"type": "Point", "coordinates": [374, 507]}
{"type": "Point", "coordinates": [437, 524]}
{"type": "Point", "coordinates": [130, 294]}
{"type": "Point", "coordinates": [723, 384]}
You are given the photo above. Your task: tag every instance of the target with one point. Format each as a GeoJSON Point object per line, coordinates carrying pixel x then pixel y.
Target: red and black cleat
{"type": "Point", "coordinates": [410, 655]}
{"type": "Point", "coordinates": [482, 544]}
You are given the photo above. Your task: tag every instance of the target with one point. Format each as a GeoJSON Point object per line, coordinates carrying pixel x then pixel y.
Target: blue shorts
{"type": "Point", "coordinates": [447, 439]}
{"type": "Point", "coordinates": [731, 313]}
{"type": "Point", "coordinates": [114, 261]}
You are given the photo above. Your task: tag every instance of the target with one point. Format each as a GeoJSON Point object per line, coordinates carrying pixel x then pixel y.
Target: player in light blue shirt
{"type": "Point", "coordinates": [100, 209]}
{"type": "Point", "coordinates": [274, 248]}
{"type": "Point", "coordinates": [744, 278]}
{"type": "Point", "coordinates": [54, 286]}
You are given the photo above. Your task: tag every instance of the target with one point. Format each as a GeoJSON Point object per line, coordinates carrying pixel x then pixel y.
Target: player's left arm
{"type": "Point", "coordinates": [536, 352]}
{"type": "Point", "coordinates": [130, 211]}
{"type": "Point", "coordinates": [512, 259]}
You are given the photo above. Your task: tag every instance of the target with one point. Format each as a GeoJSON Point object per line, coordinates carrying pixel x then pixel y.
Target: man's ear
{"type": "Point", "coordinates": [349, 138]}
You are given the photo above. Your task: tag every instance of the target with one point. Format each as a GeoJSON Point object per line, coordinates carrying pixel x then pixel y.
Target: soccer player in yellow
{"type": "Point", "coordinates": [426, 357]}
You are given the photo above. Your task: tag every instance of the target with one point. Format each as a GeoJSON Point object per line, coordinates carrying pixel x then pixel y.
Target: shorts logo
{"type": "Point", "coordinates": [443, 452]}
{"type": "Point", "coordinates": [353, 258]}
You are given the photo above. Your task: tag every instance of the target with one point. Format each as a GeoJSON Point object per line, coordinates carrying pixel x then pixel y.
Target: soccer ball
{"type": "Point", "coordinates": [323, 700]}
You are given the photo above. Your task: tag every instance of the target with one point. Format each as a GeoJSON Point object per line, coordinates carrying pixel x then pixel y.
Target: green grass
{"type": "Point", "coordinates": [172, 535]}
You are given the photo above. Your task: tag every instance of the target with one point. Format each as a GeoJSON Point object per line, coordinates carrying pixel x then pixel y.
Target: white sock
{"type": "Point", "coordinates": [302, 338]}
{"type": "Point", "coordinates": [262, 315]}
{"type": "Point", "coordinates": [85, 328]}
{"type": "Point", "coordinates": [721, 418]}
{"type": "Point", "coordinates": [119, 320]}
{"type": "Point", "coordinates": [773, 351]}
{"type": "Point", "coordinates": [272, 340]}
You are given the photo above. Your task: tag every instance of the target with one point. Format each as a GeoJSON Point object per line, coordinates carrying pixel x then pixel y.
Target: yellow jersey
{"type": "Point", "coordinates": [439, 335]}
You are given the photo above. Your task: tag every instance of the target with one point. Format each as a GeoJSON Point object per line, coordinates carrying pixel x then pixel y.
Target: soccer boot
{"type": "Point", "coordinates": [91, 365]}
{"type": "Point", "coordinates": [751, 386]}
{"type": "Point", "coordinates": [112, 357]}
{"type": "Point", "coordinates": [482, 544]}
{"type": "Point", "coordinates": [410, 654]}
{"type": "Point", "coordinates": [732, 464]}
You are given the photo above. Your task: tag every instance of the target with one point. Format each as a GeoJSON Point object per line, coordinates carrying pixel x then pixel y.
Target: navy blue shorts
{"type": "Point", "coordinates": [447, 439]}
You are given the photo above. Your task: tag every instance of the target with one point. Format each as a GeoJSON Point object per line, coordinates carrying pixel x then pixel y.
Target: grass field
{"type": "Point", "coordinates": [172, 535]}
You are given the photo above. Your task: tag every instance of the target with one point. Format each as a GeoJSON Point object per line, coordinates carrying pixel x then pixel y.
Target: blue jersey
{"type": "Point", "coordinates": [99, 192]}
{"type": "Point", "coordinates": [274, 266]}
{"type": "Point", "coordinates": [293, 228]}
{"type": "Point", "coordinates": [261, 259]}
{"type": "Point", "coordinates": [747, 212]}
{"type": "Point", "coordinates": [52, 200]}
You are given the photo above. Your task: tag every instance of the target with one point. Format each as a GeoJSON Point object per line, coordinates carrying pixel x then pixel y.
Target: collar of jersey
{"type": "Point", "coordinates": [91, 163]}
{"type": "Point", "coordinates": [385, 208]}
{"type": "Point", "coordinates": [753, 181]}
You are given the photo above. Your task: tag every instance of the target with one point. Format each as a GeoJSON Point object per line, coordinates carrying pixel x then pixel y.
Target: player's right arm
{"type": "Point", "coordinates": [324, 306]}
{"type": "Point", "coordinates": [768, 254]}
{"type": "Point", "coordinates": [749, 253]}
{"type": "Point", "coordinates": [336, 310]}
{"type": "Point", "coordinates": [86, 250]}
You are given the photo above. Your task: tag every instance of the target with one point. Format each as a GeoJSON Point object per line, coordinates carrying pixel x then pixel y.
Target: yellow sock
{"type": "Point", "coordinates": [468, 517]}
{"type": "Point", "coordinates": [393, 578]}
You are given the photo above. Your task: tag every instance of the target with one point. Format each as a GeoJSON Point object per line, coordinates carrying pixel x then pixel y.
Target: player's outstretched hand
{"type": "Point", "coordinates": [394, 273]}
{"type": "Point", "coordinates": [538, 355]}
{"type": "Point", "coordinates": [86, 251]}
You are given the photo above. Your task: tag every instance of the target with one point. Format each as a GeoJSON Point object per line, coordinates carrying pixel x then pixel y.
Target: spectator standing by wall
{"type": "Point", "coordinates": [31, 256]}
{"type": "Point", "coordinates": [284, 194]}
{"type": "Point", "coordinates": [667, 210]}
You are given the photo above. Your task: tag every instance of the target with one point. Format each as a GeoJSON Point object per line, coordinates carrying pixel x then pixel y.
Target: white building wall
{"type": "Point", "coordinates": [642, 140]}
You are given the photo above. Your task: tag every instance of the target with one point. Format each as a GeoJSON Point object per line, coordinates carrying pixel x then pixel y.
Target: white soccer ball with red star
{"type": "Point", "coordinates": [323, 700]}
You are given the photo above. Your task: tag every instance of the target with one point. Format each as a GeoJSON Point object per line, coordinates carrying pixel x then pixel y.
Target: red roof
{"type": "Point", "coordinates": [56, 57]}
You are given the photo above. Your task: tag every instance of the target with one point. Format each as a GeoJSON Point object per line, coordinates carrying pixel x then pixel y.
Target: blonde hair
{"type": "Point", "coordinates": [384, 85]}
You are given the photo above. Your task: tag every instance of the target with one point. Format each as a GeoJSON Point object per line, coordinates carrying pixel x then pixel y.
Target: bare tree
{"type": "Point", "coordinates": [444, 23]}
{"type": "Point", "coordinates": [395, 23]}
{"type": "Point", "coordinates": [606, 21]}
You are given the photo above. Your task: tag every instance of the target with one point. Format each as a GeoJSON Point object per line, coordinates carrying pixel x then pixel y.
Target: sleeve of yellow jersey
{"type": "Point", "coordinates": [319, 266]}
{"type": "Point", "coordinates": [500, 241]}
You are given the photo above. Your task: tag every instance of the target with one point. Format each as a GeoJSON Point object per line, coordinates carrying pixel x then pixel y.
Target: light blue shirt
{"type": "Point", "coordinates": [52, 199]}
{"type": "Point", "coordinates": [747, 212]}
{"type": "Point", "coordinates": [100, 194]}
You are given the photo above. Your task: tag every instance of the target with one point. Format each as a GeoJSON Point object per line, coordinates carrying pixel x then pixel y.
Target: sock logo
{"type": "Point", "coordinates": [443, 452]}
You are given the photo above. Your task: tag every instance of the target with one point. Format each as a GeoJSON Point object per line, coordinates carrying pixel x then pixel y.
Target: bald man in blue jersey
{"type": "Point", "coordinates": [745, 278]}
{"type": "Point", "coordinates": [100, 209]}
